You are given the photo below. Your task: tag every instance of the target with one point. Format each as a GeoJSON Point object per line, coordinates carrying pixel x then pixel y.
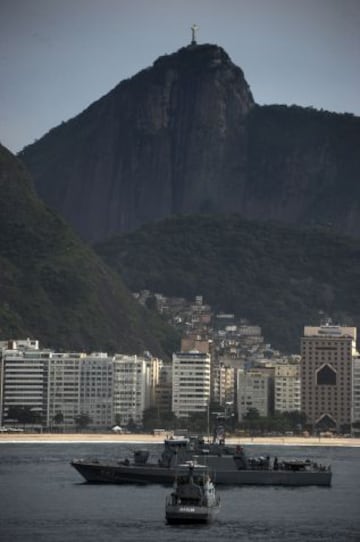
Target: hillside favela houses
{"type": "Point", "coordinates": [223, 368]}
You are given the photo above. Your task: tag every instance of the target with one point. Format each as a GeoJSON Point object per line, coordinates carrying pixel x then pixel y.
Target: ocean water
{"type": "Point", "coordinates": [43, 499]}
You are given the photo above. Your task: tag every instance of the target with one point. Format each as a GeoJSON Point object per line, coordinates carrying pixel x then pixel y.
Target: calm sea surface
{"type": "Point", "coordinates": [42, 498]}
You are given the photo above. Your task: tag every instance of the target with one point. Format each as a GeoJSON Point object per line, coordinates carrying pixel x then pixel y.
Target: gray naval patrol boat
{"type": "Point", "coordinates": [230, 465]}
{"type": "Point", "coordinates": [193, 499]}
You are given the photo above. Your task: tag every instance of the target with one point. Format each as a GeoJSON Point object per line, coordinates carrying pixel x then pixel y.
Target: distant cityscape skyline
{"type": "Point", "coordinates": [222, 362]}
{"type": "Point", "coordinates": [58, 58]}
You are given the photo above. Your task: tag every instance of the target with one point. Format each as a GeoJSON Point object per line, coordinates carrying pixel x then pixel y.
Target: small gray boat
{"type": "Point", "coordinates": [193, 499]}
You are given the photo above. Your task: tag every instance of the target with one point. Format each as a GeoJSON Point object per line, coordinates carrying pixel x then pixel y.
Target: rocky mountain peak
{"type": "Point", "coordinates": [185, 136]}
{"type": "Point", "coordinates": [206, 61]}
{"type": "Point", "coordinates": [201, 57]}
{"type": "Point", "coordinates": [155, 145]}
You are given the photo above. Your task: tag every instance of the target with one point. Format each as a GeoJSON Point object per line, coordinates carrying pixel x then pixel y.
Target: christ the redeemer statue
{"type": "Point", "coordinates": [194, 28]}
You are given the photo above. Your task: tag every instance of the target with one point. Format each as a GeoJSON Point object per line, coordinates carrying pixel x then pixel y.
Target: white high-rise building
{"type": "Point", "coordinates": [24, 383]}
{"type": "Point", "coordinates": [131, 395]}
{"type": "Point", "coordinates": [57, 387]}
{"type": "Point", "coordinates": [64, 389]}
{"type": "Point", "coordinates": [253, 392]}
{"type": "Point", "coordinates": [96, 389]}
{"type": "Point", "coordinates": [287, 388]}
{"type": "Point", "coordinates": [60, 387]}
{"type": "Point", "coordinates": [190, 383]}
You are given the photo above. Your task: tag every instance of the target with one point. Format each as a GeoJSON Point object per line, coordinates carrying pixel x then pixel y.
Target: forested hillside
{"type": "Point", "coordinates": [53, 287]}
{"type": "Point", "coordinates": [272, 274]}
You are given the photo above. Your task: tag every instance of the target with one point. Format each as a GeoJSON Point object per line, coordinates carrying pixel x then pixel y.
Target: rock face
{"type": "Point", "coordinates": [185, 136]}
{"type": "Point", "coordinates": [304, 168]}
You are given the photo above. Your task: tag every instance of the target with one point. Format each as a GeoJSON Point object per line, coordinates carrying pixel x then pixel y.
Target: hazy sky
{"type": "Point", "coordinates": [59, 56]}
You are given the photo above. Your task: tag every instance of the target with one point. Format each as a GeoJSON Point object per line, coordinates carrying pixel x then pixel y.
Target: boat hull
{"type": "Point", "coordinates": [115, 473]}
{"type": "Point", "coordinates": [179, 514]}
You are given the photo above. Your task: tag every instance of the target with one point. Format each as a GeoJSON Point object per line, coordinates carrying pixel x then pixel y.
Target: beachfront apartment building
{"type": "Point", "coordinates": [24, 382]}
{"type": "Point", "coordinates": [133, 378]}
{"type": "Point", "coordinates": [253, 392]}
{"type": "Point", "coordinates": [43, 382]}
{"type": "Point", "coordinates": [163, 389]}
{"type": "Point", "coordinates": [59, 387]}
{"type": "Point", "coordinates": [55, 387]}
{"type": "Point", "coordinates": [328, 358]}
{"type": "Point", "coordinates": [287, 387]}
{"type": "Point", "coordinates": [191, 383]}
{"type": "Point", "coordinates": [96, 389]}
{"type": "Point", "coordinates": [64, 389]}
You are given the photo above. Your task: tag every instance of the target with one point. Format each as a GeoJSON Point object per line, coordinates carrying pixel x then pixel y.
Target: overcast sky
{"type": "Point", "coordinates": [59, 56]}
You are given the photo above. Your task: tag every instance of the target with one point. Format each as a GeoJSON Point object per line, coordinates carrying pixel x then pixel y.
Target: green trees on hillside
{"type": "Point", "coordinates": [279, 277]}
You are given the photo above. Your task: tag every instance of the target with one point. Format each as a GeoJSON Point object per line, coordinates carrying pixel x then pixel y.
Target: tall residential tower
{"type": "Point", "coordinates": [327, 359]}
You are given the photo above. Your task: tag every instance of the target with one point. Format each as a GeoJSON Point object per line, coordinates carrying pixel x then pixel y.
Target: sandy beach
{"type": "Point", "coordinates": [148, 439]}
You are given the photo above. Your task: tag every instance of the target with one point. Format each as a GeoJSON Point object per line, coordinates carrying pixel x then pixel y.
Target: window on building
{"type": "Point", "coordinates": [326, 376]}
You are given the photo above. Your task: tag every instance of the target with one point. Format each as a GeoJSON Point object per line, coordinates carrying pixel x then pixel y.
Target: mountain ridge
{"type": "Point", "coordinates": [152, 109]}
{"type": "Point", "coordinates": [186, 136]}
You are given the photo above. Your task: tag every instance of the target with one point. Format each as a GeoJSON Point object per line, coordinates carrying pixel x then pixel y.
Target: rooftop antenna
{"type": "Point", "coordinates": [194, 28]}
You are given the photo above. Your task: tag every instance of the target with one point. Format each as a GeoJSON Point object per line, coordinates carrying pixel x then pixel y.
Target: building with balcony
{"type": "Point", "coordinates": [132, 380]}
{"type": "Point", "coordinates": [64, 389]}
{"type": "Point", "coordinates": [253, 392]}
{"type": "Point", "coordinates": [191, 382]}
{"type": "Point", "coordinates": [96, 389]}
{"type": "Point", "coordinates": [24, 382]}
{"type": "Point", "coordinates": [287, 387]}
